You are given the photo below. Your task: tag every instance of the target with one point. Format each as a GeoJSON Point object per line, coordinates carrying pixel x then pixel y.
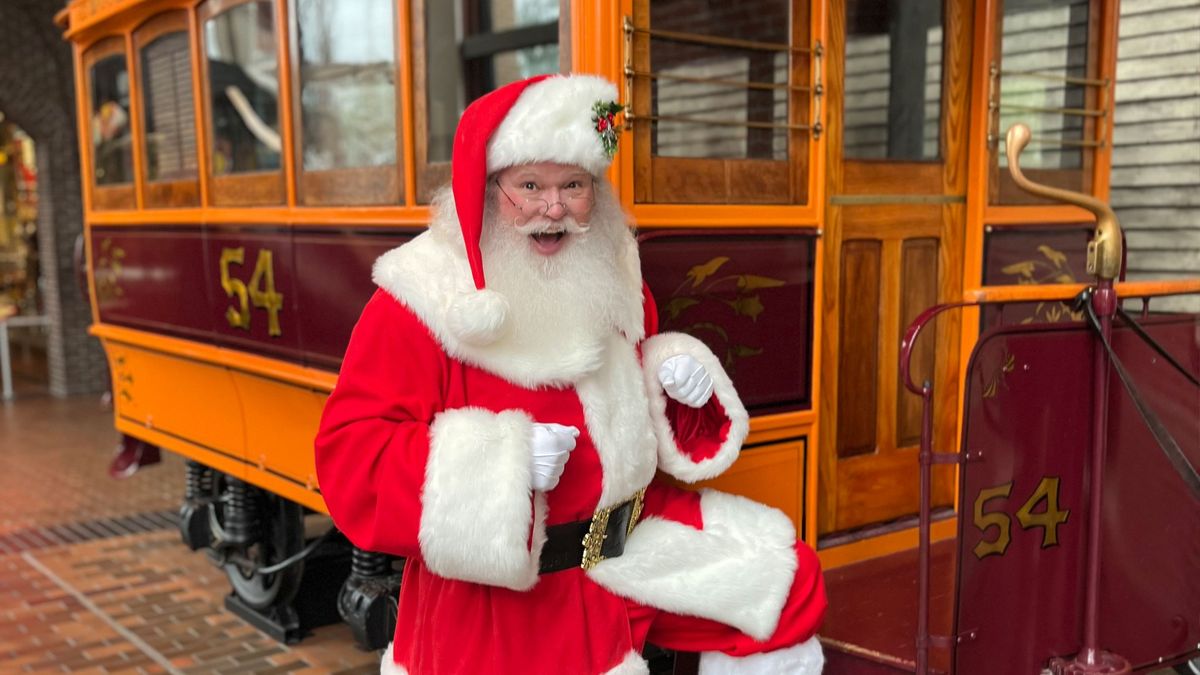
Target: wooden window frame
{"type": "Point", "coordinates": [671, 180]}
{"type": "Point", "coordinates": [116, 195]}
{"type": "Point", "coordinates": [248, 188]}
{"type": "Point", "coordinates": [478, 49]}
{"type": "Point", "coordinates": [165, 193]}
{"type": "Point", "coordinates": [351, 185]}
{"type": "Point", "coordinates": [1002, 191]}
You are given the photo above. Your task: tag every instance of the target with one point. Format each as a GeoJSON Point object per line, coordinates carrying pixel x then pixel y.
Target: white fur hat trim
{"type": "Point", "coordinates": [552, 122]}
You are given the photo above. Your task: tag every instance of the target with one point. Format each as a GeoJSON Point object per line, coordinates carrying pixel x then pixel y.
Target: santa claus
{"type": "Point", "coordinates": [502, 412]}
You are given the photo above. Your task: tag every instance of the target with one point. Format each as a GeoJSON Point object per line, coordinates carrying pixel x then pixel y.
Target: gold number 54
{"type": "Point", "coordinates": [260, 292]}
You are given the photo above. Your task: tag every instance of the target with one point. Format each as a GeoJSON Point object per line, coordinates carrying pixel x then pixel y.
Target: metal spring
{"type": "Point", "coordinates": [369, 564]}
{"type": "Point", "coordinates": [198, 481]}
{"type": "Point", "coordinates": [241, 513]}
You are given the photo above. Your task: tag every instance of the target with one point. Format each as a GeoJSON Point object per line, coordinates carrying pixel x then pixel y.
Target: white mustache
{"type": "Point", "coordinates": [546, 226]}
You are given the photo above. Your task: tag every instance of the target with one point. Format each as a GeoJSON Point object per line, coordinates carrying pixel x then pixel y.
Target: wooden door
{"type": "Point", "coordinates": [898, 84]}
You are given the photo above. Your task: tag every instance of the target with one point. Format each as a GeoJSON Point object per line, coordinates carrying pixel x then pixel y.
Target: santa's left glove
{"type": "Point", "coordinates": [686, 380]}
{"type": "Point", "coordinates": [550, 448]}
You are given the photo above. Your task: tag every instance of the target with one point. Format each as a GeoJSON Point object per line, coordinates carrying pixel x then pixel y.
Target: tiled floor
{"type": "Point", "coordinates": [110, 602]}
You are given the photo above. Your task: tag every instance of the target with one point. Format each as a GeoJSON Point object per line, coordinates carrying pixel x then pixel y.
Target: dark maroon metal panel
{"type": "Point", "coordinates": [253, 244]}
{"type": "Point", "coordinates": [1034, 255]}
{"type": "Point", "coordinates": [152, 279]}
{"type": "Point", "coordinates": [1028, 411]}
{"type": "Point", "coordinates": [333, 283]}
{"type": "Point", "coordinates": [748, 296]}
{"type": "Point", "coordinates": [1150, 575]}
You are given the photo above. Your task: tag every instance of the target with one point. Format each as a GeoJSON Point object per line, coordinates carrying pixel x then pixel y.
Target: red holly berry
{"type": "Point", "coordinates": [602, 123]}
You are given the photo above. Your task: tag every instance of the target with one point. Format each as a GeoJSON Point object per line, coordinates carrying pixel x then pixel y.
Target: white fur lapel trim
{"type": "Point", "coordinates": [614, 407]}
{"type": "Point", "coordinates": [671, 458]}
{"type": "Point", "coordinates": [477, 507]}
{"type": "Point", "coordinates": [738, 570]}
{"type": "Point", "coordinates": [805, 658]}
{"type": "Point", "coordinates": [430, 276]}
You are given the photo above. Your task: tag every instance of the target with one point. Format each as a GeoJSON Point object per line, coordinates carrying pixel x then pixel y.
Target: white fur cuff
{"type": "Point", "coordinates": [738, 570]}
{"type": "Point", "coordinates": [805, 658]}
{"type": "Point", "coordinates": [477, 507]}
{"type": "Point", "coordinates": [671, 457]}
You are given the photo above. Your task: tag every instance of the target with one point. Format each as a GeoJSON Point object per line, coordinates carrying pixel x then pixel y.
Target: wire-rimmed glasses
{"type": "Point", "coordinates": [576, 200]}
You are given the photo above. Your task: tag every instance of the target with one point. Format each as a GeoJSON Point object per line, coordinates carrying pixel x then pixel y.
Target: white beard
{"type": "Point", "coordinates": [563, 308]}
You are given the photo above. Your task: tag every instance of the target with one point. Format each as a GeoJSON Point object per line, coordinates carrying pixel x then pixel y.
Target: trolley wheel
{"type": "Point", "coordinates": [1189, 668]}
{"type": "Point", "coordinates": [282, 536]}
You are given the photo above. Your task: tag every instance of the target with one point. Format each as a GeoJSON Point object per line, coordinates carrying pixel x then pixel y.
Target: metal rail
{"type": "Point", "coordinates": [715, 41]}
{"type": "Point", "coordinates": [739, 84]}
{"type": "Point", "coordinates": [724, 123]}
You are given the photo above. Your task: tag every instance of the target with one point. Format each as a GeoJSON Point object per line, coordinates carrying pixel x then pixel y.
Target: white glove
{"type": "Point", "coordinates": [550, 448]}
{"type": "Point", "coordinates": [685, 380]}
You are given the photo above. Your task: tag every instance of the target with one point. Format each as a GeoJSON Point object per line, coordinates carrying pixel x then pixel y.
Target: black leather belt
{"type": "Point", "coordinates": [584, 543]}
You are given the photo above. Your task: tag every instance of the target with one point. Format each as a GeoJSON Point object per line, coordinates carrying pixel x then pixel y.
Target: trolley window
{"type": "Point", "coordinates": [111, 125]}
{"type": "Point", "coordinates": [893, 80]}
{"type": "Point", "coordinates": [347, 102]}
{"type": "Point", "coordinates": [463, 50]}
{"type": "Point", "coordinates": [720, 101]}
{"type": "Point", "coordinates": [1045, 76]}
{"type": "Point", "coordinates": [168, 111]}
{"type": "Point", "coordinates": [242, 82]}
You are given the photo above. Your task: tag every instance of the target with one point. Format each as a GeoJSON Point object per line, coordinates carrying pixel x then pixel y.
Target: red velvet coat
{"type": "Point", "coordinates": [423, 452]}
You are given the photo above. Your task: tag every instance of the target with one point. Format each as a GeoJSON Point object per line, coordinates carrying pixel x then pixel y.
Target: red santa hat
{"type": "Point", "coordinates": [566, 119]}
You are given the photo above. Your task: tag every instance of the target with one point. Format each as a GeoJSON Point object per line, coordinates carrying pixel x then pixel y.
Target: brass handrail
{"type": "Point", "coordinates": [1054, 77]}
{"type": "Point", "coordinates": [1063, 142]}
{"type": "Point", "coordinates": [723, 123]}
{"type": "Point", "coordinates": [741, 84]}
{"type": "Point", "coordinates": [1104, 251]}
{"type": "Point", "coordinates": [1076, 112]}
{"type": "Point", "coordinates": [714, 41]}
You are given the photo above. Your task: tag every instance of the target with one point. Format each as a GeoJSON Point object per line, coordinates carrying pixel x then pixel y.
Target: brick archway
{"type": "Point", "coordinates": [37, 94]}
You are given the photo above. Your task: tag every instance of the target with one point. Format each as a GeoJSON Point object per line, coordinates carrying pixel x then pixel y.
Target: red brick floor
{"type": "Point", "coordinates": [135, 603]}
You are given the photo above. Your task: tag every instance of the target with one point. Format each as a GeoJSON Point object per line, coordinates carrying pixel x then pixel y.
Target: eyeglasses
{"type": "Point", "coordinates": [575, 199]}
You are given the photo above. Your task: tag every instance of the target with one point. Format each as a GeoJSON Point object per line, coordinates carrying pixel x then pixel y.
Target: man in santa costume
{"type": "Point", "coordinates": [502, 411]}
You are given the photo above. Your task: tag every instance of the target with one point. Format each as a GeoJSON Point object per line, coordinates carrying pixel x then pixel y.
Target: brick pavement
{"type": "Point", "coordinates": [134, 603]}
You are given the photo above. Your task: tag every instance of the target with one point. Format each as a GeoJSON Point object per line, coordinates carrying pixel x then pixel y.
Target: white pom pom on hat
{"type": "Point", "coordinates": [546, 118]}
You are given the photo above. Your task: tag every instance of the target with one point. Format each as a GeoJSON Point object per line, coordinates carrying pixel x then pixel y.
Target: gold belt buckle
{"type": "Point", "coordinates": [593, 541]}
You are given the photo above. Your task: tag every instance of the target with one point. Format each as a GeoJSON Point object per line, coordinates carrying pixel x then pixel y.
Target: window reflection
{"type": "Point", "coordinates": [676, 93]}
{"type": "Point", "coordinates": [893, 89]}
{"type": "Point", "coordinates": [493, 44]}
{"type": "Point", "coordinates": [112, 148]}
{"type": "Point", "coordinates": [1050, 37]}
{"type": "Point", "coordinates": [244, 89]}
{"type": "Point", "coordinates": [170, 117]}
{"type": "Point", "coordinates": [347, 83]}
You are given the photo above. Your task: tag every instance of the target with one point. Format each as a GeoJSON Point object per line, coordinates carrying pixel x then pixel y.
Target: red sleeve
{"type": "Point", "coordinates": [373, 442]}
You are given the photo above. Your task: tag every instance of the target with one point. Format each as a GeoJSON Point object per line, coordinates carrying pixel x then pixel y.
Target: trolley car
{"type": "Point", "coordinates": [807, 178]}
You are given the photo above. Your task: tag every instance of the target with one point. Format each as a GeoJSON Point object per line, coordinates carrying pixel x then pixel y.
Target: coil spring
{"type": "Point", "coordinates": [198, 481]}
{"type": "Point", "coordinates": [241, 513]}
{"type": "Point", "coordinates": [368, 564]}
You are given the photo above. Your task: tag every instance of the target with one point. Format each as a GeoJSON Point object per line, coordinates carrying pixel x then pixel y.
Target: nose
{"type": "Point", "coordinates": [555, 209]}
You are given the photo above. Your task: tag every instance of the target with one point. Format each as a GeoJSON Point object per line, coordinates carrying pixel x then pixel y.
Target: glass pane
{"type": "Point", "coordinates": [347, 83]}
{"type": "Point", "coordinates": [508, 14]}
{"type": "Point", "coordinates": [111, 141]}
{"type": "Point", "coordinates": [170, 117]}
{"type": "Point", "coordinates": [1050, 37]}
{"type": "Point", "coordinates": [893, 93]}
{"type": "Point", "coordinates": [446, 73]}
{"type": "Point", "coordinates": [675, 93]}
{"type": "Point", "coordinates": [243, 82]}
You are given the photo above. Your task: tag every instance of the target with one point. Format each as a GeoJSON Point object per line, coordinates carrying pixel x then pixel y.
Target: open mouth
{"type": "Point", "coordinates": [547, 238]}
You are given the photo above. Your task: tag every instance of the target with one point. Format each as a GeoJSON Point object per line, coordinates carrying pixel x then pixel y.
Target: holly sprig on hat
{"type": "Point", "coordinates": [603, 113]}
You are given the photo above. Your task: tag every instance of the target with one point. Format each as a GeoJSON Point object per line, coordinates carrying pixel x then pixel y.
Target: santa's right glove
{"type": "Point", "coordinates": [550, 448]}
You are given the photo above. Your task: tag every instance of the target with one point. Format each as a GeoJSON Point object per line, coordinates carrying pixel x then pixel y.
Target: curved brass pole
{"type": "Point", "coordinates": [1105, 249]}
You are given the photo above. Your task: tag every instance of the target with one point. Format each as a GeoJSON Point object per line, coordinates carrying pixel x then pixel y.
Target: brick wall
{"type": "Point", "coordinates": [37, 93]}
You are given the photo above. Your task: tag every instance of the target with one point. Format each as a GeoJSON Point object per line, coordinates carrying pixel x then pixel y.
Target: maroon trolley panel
{"type": "Point", "coordinates": [152, 279]}
{"type": "Point", "coordinates": [333, 283]}
{"type": "Point", "coordinates": [1028, 435]}
{"type": "Point", "coordinates": [1150, 568]}
{"type": "Point", "coordinates": [1023, 516]}
{"type": "Point", "coordinates": [748, 295]}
